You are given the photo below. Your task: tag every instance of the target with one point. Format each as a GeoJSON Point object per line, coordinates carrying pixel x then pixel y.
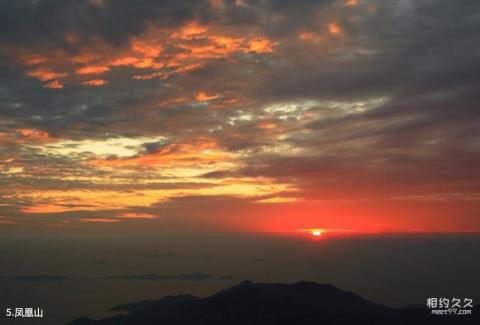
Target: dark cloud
{"type": "Point", "coordinates": [145, 303]}
{"type": "Point", "coordinates": [39, 21]}
{"type": "Point", "coordinates": [36, 278]}
{"type": "Point", "coordinates": [195, 276]}
{"type": "Point", "coordinates": [162, 255]}
{"type": "Point", "coordinates": [154, 147]}
{"type": "Point", "coordinates": [101, 262]}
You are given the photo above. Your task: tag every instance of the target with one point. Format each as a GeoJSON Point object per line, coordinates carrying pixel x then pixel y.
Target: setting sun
{"type": "Point", "coordinates": [316, 233]}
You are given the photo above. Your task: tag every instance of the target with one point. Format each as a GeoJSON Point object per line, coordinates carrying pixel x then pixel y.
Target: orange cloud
{"type": "Point", "coordinates": [335, 29]}
{"type": "Point", "coordinates": [93, 69]}
{"type": "Point", "coordinates": [146, 48]}
{"type": "Point", "coordinates": [150, 76]}
{"type": "Point", "coordinates": [203, 97]}
{"type": "Point", "coordinates": [307, 36]}
{"type": "Point", "coordinates": [55, 84]}
{"type": "Point", "coordinates": [95, 82]}
{"type": "Point", "coordinates": [142, 54]}
{"type": "Point", "coordinates": [190, 31]}
{"type": "Point", "coordinates": [33, 59]}
{"type": "Point", "coordinates": [44, 74]}
{"type": "Point", "coordinates": [136, 215]}
{"type": "Point", "coordinates": [261, 45]}
{"type": "Point", "coordinates": [5, 137]}
{"type": "Point", "coordinates": [161, 51]}
{"type": "Point", "coordinates": [54, 208]}
{"type": "Point", "coordinates": [267, 125]}
{"type": "Point", "coordinates": [100, 220]}
{"type": "Point", "coordinates": [227, 42]}
{"type": "Point", "coordinates": [33, 135]}
{"type": "Point", "coordinates": [125, 61]}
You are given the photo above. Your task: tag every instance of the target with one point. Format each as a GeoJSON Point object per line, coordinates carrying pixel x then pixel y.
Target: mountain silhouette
{"type": "Point", "coordinates": [248, 303]}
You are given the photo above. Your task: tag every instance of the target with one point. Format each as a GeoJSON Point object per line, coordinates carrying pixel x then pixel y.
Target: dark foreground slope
{"type": "Point", "coordinates": [302, 303]}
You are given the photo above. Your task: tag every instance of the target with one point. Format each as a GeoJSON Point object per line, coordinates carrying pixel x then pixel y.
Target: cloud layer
{"type": "Point", "coordinates": [247, 115]}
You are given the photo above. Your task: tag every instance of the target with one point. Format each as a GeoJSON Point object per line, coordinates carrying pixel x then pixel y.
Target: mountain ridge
{"type": "Point", "coordinates": [300, 303]}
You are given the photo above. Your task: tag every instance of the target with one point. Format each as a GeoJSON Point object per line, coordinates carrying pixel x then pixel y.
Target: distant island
{"type": "Point", "coordinates": [249, 303]}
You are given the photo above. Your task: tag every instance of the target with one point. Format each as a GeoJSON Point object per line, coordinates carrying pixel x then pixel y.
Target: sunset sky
{"type": "Point", "coordinates": [256, 116]}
